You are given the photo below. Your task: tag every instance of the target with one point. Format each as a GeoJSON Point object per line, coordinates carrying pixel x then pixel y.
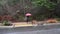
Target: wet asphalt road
{"type": "Point", "coordinates": [49, 29]}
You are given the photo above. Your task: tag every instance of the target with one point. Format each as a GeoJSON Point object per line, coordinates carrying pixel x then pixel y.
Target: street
{"type": "Point", "coordinates": [44, 29]}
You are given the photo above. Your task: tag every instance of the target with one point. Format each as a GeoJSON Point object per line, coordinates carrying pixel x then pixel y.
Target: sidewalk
{"type": "Point", "coordinates": [24, 24]}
